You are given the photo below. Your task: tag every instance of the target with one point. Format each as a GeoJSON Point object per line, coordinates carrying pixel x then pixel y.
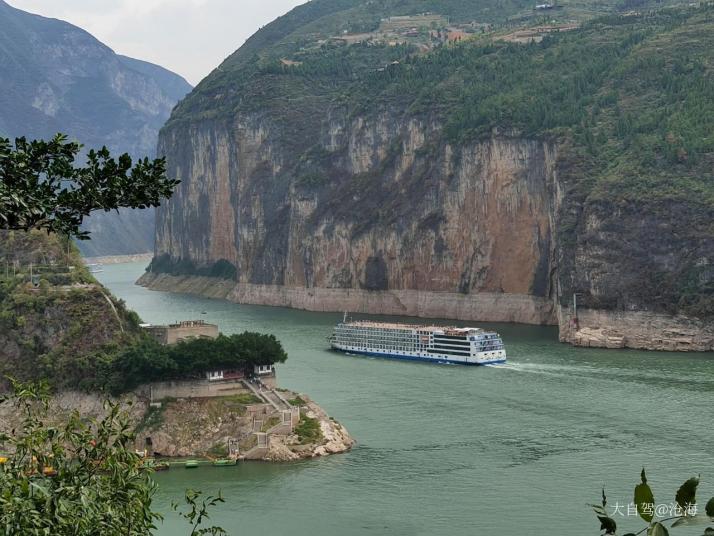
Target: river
{"type": "Point", "coordinates": [512, 450]}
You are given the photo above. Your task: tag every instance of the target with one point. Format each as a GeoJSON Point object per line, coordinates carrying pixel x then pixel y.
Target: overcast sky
{"type": "Point", "coordinates": [189, 37]}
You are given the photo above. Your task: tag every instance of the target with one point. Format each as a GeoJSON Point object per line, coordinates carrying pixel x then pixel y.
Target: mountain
{"type": "Point", "coordinates": [483, 161]}
{"type": "Point", "coordinates": [55, 77]}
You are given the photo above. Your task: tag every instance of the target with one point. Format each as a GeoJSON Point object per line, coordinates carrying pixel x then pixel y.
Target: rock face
{"type": "Point", "coordinates": [636, 329]}
{"type": "Point", "coordinates": [346, 179]}
{"type": "Point", "coordinates": [470, 234]}
{"type": "Point", "coordinates": [55, 77]}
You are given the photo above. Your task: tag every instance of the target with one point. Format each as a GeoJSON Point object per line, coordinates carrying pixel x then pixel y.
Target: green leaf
{"type": "Point", "coordinates": [607, 524]}
{"type": "Point", "coordinates": [691, 520]}
{"type": "Point", "coordinates": [709, 508]}
{"type": "Point", "coordinates": [644, 496]}
{"type": "Point", "coordinates": [599, 510]}
{"type": "Point", "coordinates": [687, 493]}
{"type": "Point", "coordinates": [658, 529]}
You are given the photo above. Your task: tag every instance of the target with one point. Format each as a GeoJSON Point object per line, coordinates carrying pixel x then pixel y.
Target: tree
{"type": "Point", "coordinates": [81, 478]}
{"type": "Point", "coordinates": [40, 188]}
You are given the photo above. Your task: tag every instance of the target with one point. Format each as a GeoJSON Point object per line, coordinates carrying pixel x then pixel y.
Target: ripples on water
{"type": "Point", "coordinates": [512, 449]}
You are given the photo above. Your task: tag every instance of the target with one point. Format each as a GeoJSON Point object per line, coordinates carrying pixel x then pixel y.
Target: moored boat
{"type": "Point", "coordinates": [226, 462]}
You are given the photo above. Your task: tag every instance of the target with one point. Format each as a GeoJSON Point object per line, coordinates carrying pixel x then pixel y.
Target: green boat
{"type": "Point", "coordinates": [191, 464]}
{"type": "Point", "coordinates": [226, 462]}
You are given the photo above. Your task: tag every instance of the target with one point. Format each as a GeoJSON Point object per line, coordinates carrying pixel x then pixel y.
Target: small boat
{"type": "Point", "coordinates": [191, 464]}
{"type": "Point", "coordinates": [226, 462]}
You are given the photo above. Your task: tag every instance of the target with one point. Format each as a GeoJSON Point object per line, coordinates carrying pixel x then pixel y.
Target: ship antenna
{"type": "Point", "coordinates": [344, 318]}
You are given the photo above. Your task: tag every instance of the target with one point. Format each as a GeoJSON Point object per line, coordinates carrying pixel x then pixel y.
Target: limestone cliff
{"type": "Point", "coordinates": [468, 235]}
{"type": "Point", "coordinates": [480, 182]}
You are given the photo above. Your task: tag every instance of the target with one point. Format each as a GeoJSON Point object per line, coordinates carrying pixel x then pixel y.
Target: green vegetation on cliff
{"type": "Point", "coordinates": [625, 99]}
{"type": "Point", "coordinates": [62, 326]}
{"type": "Point", "coordinates": [56, 321]}
{"type": "Point", "coordinates": [318, 26]}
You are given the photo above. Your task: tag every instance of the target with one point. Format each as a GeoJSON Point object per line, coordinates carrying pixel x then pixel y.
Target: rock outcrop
{"type": "Point", "coordinates": [200, 427]}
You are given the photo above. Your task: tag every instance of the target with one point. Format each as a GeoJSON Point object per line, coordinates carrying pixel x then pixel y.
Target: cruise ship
{"type": "Point", "coordinates": [436, 344]}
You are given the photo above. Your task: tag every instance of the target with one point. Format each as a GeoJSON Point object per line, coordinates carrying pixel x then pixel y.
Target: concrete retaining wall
{"type": "Point", "coordinates": [192, 389]}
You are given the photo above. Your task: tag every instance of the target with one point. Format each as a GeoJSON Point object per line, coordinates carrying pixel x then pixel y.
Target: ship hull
{"type": "Point", "coordinates": [408, 357]}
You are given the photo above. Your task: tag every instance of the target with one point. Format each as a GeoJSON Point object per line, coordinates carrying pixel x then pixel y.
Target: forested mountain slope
{"type": "Point", "coordinates": [420, 168]}
{"type": "Point", "coordinates": [56, 321]}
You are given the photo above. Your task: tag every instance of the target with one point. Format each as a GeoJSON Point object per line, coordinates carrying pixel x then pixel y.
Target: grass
{"type": "Point", "coordinates": [245, 399]}
{"type": "Point", "coordinates": [308, 430]}
{"type": "Point", "coordinates": [218, 450]}
{"type": "Point", "coordinates": [267, 425]}
{"type": "Point", "coordinates": [248, 443]}
{"type": "Point", "coordinates": [297, 401]}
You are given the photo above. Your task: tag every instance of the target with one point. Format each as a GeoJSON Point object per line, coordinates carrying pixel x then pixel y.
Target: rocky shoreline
{"type": "Point", "coordinates": [119, 259]}
{"type": "Point", "coordinates": [596, 328]}
{"type": "Point", "coordinates": [202, 427]}
{"type": "Point", "coordinates": [481, 307]}
{"type": "Point", "coordinates": [641, 330]}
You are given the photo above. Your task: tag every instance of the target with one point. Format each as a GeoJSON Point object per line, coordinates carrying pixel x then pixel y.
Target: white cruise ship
{"type": "Point", "coordinates": [437, 344]}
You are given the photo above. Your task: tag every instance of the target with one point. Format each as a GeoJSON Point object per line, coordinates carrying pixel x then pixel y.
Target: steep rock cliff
{"type": "Point", "coordinates": [480, 181]}
{"type": "Point", "coordinates": [474, 224]}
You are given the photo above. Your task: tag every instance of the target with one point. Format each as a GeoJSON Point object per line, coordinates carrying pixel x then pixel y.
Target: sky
{"type": "Point", "coordinates": [188, 37]}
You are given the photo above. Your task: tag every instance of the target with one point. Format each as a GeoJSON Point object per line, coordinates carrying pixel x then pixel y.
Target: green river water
{"type": "Point", "coordinates": [512, 450]}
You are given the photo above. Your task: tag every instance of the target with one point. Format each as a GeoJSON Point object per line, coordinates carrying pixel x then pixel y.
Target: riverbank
{"type": "Point", "coordinates": [206, 427]}
{"type": "Point", "coordinates": [595, 329]}
{"type": "Point", "coordinates": [641, 330]}
{"type": "Point", "coordinates": [480, 307]}
{"type": "Point", "coordinates": [120, 259]}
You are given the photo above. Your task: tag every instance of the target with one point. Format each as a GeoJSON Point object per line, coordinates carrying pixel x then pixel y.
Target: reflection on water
{"type": "Point", "coordinates": [512, 449]}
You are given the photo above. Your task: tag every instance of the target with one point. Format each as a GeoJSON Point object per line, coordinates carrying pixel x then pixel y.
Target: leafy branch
{"type": "Point", "coordinates": [198, 512]}
{"type": "Point", "coordinates": [685, 505]}
{"type": "Point", "coordinates": [40, 188]}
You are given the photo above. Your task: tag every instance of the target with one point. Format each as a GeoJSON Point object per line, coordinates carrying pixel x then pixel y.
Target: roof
{"type": "Point", "coordinates": [418, 327]}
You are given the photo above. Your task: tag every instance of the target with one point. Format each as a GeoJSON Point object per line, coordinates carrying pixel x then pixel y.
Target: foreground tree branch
{"type": "Point", "coordinates": [40, 187]}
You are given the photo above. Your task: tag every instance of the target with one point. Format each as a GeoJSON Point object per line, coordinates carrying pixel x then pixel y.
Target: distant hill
{"type": "Point", "coordinates": [56, 77]}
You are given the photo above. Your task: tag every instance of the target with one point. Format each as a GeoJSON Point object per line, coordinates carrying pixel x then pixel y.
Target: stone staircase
{"type": "Point", "coordinates": [260, 446]}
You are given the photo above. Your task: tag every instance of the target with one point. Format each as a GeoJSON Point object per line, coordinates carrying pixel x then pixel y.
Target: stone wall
{"type": "Point", "coordinates": [192, 389]}
{"type": "Point", "coordinates": [192, 329]}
